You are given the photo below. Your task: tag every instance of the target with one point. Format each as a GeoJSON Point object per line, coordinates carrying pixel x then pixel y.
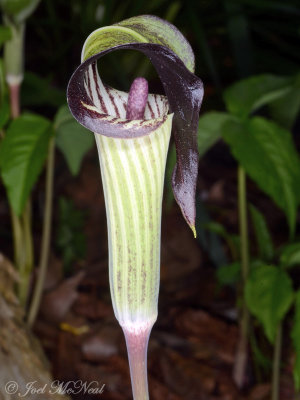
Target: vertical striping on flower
{"type": "Point", "coordinates": [132, 175]}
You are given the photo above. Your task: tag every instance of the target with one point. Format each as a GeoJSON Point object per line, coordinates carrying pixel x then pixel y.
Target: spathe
{"type": "Point", "coordinates": [184, 92]}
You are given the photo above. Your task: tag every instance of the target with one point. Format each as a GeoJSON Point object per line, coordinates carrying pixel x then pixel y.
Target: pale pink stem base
{"type": "Point", "coordinates": [137, 344]}
{"type": "Point", "coordinates": [14, 91]}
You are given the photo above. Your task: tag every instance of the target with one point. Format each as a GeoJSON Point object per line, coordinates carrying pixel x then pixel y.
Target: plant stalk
{"type": "Point", "coordinates": [21, 226]}
{"type": "Point", "coordinates": [14, 51]}
{"type": "Point", "coordinates": [14, 90]}
{"type": "Point", "coordinates": [276, 364]}
{"type": "Point", "coordinates": [46, 236]}
{"type": "Point", "coordinates": [137, 344]}
{"type": "Point", "coordinates": [14, 95]}
{"type": "Point", "coordinates": [239, 369]}
{"type": "Point", "coordinates": [27, 262]}
{"type": "Point", "coordinates": [243, 223]}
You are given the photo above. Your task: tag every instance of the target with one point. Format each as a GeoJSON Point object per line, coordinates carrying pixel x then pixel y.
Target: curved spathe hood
{"type": "Point", "coordinates": [173, 60]}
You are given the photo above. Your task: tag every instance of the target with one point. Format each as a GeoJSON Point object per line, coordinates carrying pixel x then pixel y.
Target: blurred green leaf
{"type": "Point", "coordinates": [5, 34]}
{"type": "Point", "coordinates": [4, 112]}
{"type": "Point", "coordinates": [217, 228]}
{"type": "Point", "coordinates": [210, 129]}
{"type": "Point", "coordinates": [295, 333]}
{"type": "Point", "coordinates": [19, 9]}
{"type": "Point", "coordinates": [260, 357]}
{"type": "Point", "coordinates": [22, 154]}
{"type": "Point", "coordinates": [195, 22]}
{"type": "Point", "coordinates": [285, 110]}
{"type": "Point", "coordinates": [70, 238]}
{"type": "Point", "coordinates": [290, 255]}
{"type": "Point", "coordinates": [269, 295]}
{"type": "Point", "coordinates": [231, 240]}
{"type": "Point", "coordinates": [73, 140]}
{"type": "Point", "coordinates": [238, 32]}
{"type": "Point", "coordinates": [269, 157]}
{"type": "Point", "coordinates": [38, 91]}
{"type": "Point", "coordinates": [3, 89]}
{"type": "Point", "coordinates": [262, 234]}
{"type": "Point", "coordinates": [229, 274]}
{"type": "Point", "coordinates": [246, 96]}
{"type": "Point", "coordinates": [172, 11]}
{"type": "Point", "coordinates": [4, 98]}
{"type": "Point", "coordinates": [209, 240]}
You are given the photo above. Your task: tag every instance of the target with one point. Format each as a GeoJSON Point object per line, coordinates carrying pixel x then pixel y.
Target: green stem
{"type": "Point", "coordinates": [17, 235]}
{"type": "Point", "coordinates": [23, 243]}
{"type": "Point", "coordinates": [26, 266]}
{"type": "Point", "coordinates": [14, 52]}
{"type": "Point", "coordinates": [243, 222]}
{"type": "Point", "coordinates": [46, 236]}
{"type": "Point", "coordinates": [276, 364]}
{"type": "Point", "coordinates": [242, 347]}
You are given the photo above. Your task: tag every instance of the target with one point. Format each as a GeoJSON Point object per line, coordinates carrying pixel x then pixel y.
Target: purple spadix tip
{"type": "Point", "coordinates": [137, 99]}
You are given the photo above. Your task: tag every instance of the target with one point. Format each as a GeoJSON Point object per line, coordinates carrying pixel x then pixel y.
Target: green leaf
{"type": "Point", "coordinates": [268, 155]}
{"type": "Point", "coordinates": [210, 129]}
{"type": "Point", "coordinates": [4, 112]}
{"type": "Point", "coordinates": [209, 240]}
{"type": "Point", "coordinates": [73, 140]}
{"type": "Point", "coordinates": [70, 238]}
{"type": "Point", "coordinates": [260, 357]}
{"type": "Point", "coordinates": [246, 96]}
{"type": "Point", "coordinates": [3, 88]}
{"type": "Point", "coordinates": [269, 295]}
{"type": "Point", "coordinates": [19, 9]}
{"type": "Point", "coordinates": [229, 274]}
{"type": "Point", "coordinates": [217, 228]}
{"type": "Point", "coordinates": [5, 34]}
{"type": "Point", "coordinates": [285, 110]}
{"type": "Point", "coordinates": [37, 91]}
{"type": "Point", "coordinates": [4, 97]}
{"type": "Point", "coordinates": [296, 342]}
{"type": "Point", "coordinates": [232, 240]}
{"type": "Point", "coordinates": [240, 38]}
{"type": "Point", "coordinates": [290, 255]}
{"type": "Point", "coordinates": [263, 237]}
{"type": "Point", "coordinates": [22, 154]}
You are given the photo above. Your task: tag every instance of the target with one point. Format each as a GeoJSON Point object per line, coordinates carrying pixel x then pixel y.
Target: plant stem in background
{"type": "Point", "coordinates": [240, 365]}
{"type": "Point", "coordinates": [26, 266]}
{"type": "Point", "coordinates": [276, 364]}
{"type": "Point", "coordinates": [46, 236]}
{"type": "Point", "coordinates": [23, 243]}
{"type": "Point", "coordinates": [14, 52]}
{"type": "Point", "coordinates": [14, 90]}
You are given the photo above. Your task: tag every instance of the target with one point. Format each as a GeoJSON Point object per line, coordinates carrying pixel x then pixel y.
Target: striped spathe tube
{"type": "Point", "coordinates": [132, 173]}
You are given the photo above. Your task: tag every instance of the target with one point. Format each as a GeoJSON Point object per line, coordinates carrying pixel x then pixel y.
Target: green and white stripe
{"type": "Point", "coordinates": [133, 174]}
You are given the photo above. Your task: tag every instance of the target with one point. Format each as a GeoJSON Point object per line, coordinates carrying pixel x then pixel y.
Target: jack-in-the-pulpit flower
{"type": "Point", "coordinates": [132, 134]}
